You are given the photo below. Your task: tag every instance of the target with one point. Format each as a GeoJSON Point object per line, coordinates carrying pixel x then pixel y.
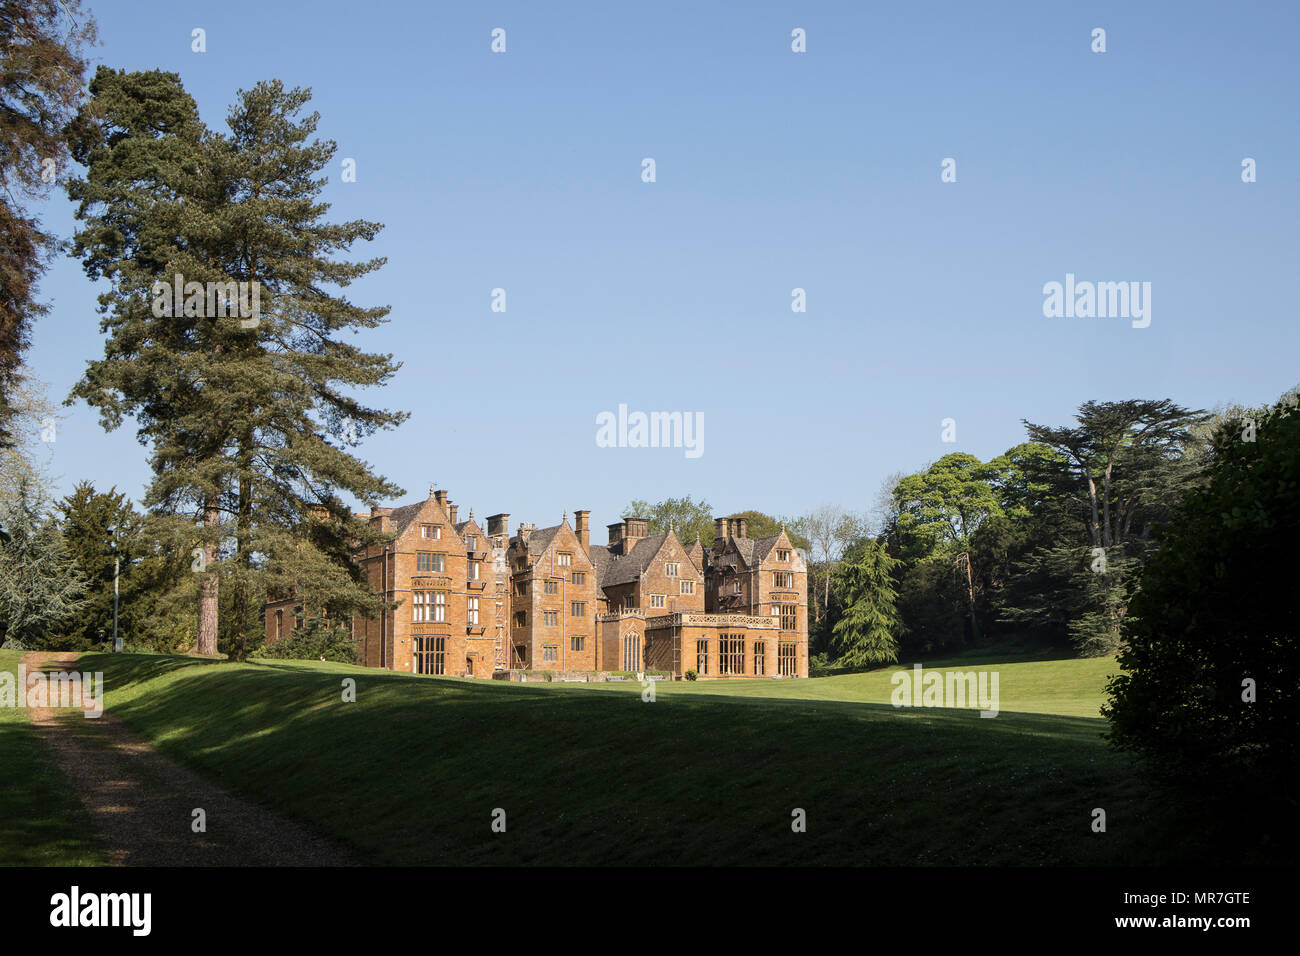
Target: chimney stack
{"type": "Point", "coordinates": [441, 498]}
{"type": "Point", "coordinates": [498, 529]}
{"type": "Point", "coordinates": [580, 519]}
{"type": "Point", "coordinates": [634, 529]}
{"type": "Point", "coordinates": [451, 512]}
{"type": "Point", "coordinates": [742, 528]}
{"type": "Point", "coordinates": [721, 528]}
{"type": "Point", "coordinates": [379, 518]}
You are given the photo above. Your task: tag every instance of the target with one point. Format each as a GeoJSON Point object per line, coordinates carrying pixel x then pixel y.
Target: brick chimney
{"type": "Point", "coordinates": [441, 498]}
{"type": "Point", "coordinates": [379, 519]}
{"type": "Point", "coordinates": [581, 518]}
{"type": "Point", "coordinates": [742, 527]}
{"type": "Point", "coordinates": [451, 512]}
{"type": "Point", "coordinates": [634, 529]}
{"type": "Point", "coordinates": [498, 529]}
{"type": "Point", "coordinates": [721, 530]}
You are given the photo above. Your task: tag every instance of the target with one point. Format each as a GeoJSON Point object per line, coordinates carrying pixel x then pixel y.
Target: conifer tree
{"type": "Point", "coordinates": [39, 583]}
{"type": "Point", "coordinates": [867, 632]}
{"type": "Point", "coordinates": [42, 80]}
{"type": "Point", "coordinates": [102, 532]}
{"type": "Point", "coordinates": [250, 416]}
{"type": "Point", "coordinates": [1122, 471]}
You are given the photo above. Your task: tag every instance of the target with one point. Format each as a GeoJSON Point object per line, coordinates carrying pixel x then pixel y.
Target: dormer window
{"type": "Point", "coordinates": [782, 554]}
{"type": "Point", "coordinates": [471, 542]}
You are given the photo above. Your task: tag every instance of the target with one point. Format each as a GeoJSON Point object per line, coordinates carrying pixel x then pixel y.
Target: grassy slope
{"type": "Point", "coordinates": [41, 822]}
{"type": "Point", "coordinates": [708, 774]}
{"type": "Point", "coordinates": [1070, 687]}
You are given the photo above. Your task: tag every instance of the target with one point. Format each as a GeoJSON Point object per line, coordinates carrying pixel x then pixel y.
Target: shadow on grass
{"type": "Point", "coordinates": [412, 771]}
{"type": "Point", "coordinates": [41, 821]}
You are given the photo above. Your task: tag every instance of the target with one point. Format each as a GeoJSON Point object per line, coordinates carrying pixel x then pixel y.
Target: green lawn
{"type": "Point", "coordinates": [707, 774]}
{"type": "Point", "coordinates": [1069, 687]}
{"type": "Point", "coordinates": [41, 822]}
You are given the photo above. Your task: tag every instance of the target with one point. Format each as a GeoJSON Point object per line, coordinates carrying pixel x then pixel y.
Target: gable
{"type": "Point", "coordinates": [413, 516]}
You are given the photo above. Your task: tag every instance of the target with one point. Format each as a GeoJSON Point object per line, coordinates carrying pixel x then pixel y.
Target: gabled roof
{"type": "Point", "coordinates": [402, 517]}
{"type": "Point", "coordinates": [753, 550]}
{"type": "Point", "coordinates": [629, 567]}
{"type": "Point", "coordinates": [764, 546]}
{"type": "Point", "coordinates": [540, 540]}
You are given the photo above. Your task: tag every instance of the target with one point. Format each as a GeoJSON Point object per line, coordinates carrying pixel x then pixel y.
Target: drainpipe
{"type": "Point", "coordinates": [563, 617]}
{"type": "Point", "coordinates": [383, 620]}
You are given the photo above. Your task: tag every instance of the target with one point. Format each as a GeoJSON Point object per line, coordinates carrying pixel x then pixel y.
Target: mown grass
{"type": "Point", "coordinates": [42, 823]}
{"type": "Point", "coordinates": [708, 774]}
{"type": "Point", "coordinates": [1072, 687]}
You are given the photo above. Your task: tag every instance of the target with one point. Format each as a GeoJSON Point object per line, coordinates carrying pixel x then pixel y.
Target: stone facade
{"type": "Point", "coordinates": [552, 600]}
{"type": "Point", "coordinates": [474, 601]}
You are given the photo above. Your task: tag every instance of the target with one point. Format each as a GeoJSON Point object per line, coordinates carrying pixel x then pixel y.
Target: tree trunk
{"type": "Point", "coordinates": [826, 599]}
{"type": "Point", "coordinates": [970, 593]}
{"type": "Point", "coordinates": [207, 642]}
{"type": "Point", "coordinates": [243, 534]}
{"type": "Point", "coordinates": [1092, 495]}
{"type": "Point", "coordinates": [1107, 538]}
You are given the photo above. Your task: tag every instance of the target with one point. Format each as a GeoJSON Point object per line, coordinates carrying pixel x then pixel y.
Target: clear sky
{"type": "Point", "coordinates": [775, 170]}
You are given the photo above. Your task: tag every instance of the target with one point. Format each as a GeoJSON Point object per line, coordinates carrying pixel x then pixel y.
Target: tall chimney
{"type": "Point", "coordinates": [451, 512]}
{"type": "Point", "coordinates": [580, 518]}
{"type": "Point", "coordinates": [616, 537]}
{"type": "Point", "coordinates": [720, 528]}
{"type": "Point", "coordinates": [441, 498]}
{"type": "Point", "coordinates": [634, 529]}
{"type": "Point", "coordinates": [742, 528]}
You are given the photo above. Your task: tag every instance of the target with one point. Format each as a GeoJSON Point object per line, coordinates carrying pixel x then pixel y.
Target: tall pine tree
{"type": "Point", "coordinates": [250, 419]}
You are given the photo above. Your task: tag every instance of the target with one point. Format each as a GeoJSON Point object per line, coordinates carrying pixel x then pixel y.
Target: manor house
{"type": "Point", "coordinates": [475, 601]}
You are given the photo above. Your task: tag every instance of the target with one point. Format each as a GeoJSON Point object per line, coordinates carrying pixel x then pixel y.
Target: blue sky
{"type": "Point", "coordinates": [775, 170]}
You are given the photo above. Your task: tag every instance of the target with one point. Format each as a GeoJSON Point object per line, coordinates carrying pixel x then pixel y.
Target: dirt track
{"type": "Point", "coordinates": [142, 803]}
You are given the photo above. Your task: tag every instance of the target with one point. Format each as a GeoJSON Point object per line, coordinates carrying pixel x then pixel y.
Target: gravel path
{"type": "Point", "coordinates": [142, 803]}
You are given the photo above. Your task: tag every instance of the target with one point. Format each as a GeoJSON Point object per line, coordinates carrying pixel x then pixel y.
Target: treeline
{"type": "Point", "coordinates": [1044, 545]}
